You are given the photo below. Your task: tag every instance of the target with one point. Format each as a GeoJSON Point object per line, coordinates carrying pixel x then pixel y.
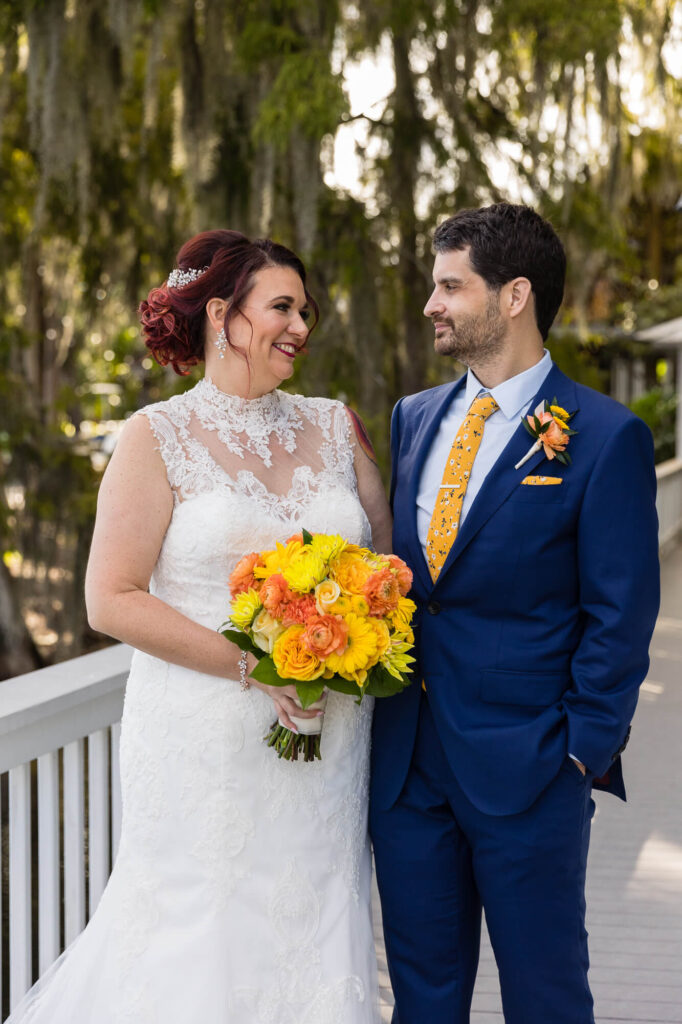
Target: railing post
{"type": "Point", "coordinates": [19, 882]}
{"type": "Point", "coordinates": [74, 825]}
{"type": "Point", "coordinates": [48, 859]}
{"type": "Point", "coordinates": [116, 809]}
{"type": "Point", "coordinates": [98, 815]}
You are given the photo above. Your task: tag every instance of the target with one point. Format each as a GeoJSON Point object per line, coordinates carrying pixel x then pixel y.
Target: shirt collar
{"type": "Point", "coordinates": [513, 394]}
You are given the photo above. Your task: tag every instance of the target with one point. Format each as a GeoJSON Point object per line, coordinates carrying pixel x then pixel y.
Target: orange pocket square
{"type": "Point", "coordinates": [537, 481]}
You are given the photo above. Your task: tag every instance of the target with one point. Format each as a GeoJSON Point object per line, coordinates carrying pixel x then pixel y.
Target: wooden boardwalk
{"type": "Point", "coordinates": [634, 878]}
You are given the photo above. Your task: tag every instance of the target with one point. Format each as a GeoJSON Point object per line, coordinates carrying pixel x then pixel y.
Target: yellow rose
{"type": "Point", "coordinates": [265, 630]}
{"type": "Point", "coordinates": [383, 637]}
{"type": "Point", "coordinates": [244, 608]}
{"type": "Point", "coordinates": [292, 658]}
{"type": "Point", "coordinates": [351, 572]}
{"type": "Point", "coordinates": [326, 593]}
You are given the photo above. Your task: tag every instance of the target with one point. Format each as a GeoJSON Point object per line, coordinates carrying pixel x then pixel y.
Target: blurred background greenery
{"type": "Point", "coordinates": [344, 130]}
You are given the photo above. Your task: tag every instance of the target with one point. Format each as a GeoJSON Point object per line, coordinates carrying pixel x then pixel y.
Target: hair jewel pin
{"type": "Point", "coordinates": [179, 278]}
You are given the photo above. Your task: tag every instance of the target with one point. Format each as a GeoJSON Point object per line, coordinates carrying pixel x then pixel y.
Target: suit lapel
{"type": "Point", "coordinates": [503, 478]}
{"type": "Point", "coordinates": [423, 429]}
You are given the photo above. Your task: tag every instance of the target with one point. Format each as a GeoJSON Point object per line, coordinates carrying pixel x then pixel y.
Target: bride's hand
{"type": "Point", "coordinates": [284, 699]}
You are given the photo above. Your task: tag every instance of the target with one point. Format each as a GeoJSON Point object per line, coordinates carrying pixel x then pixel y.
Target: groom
{"type": "Point", "coordinates": [536, 583]}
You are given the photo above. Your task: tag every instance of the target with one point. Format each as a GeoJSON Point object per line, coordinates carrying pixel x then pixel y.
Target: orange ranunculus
{"type": "Point", "coordinates": [325, 634]}
{"type": "Point", "coordinates": [275, 595]}
{"type": "Point", "coordinates": [294, 536]}
{"type": "Point", "coordinates": [382, 592]}
{"type": "Point", "coordinates": [553, 439]}
{"type": "Point", "coordinates": [242, 578]}
{"type": "Point", "coordinates": [403, 574]}
{"type": "Point", "coordinates": [292, 657]}
{"type": "Point", "coordinates": [351, 572]}
{"type": "Point", "coordinates": [300, 610]}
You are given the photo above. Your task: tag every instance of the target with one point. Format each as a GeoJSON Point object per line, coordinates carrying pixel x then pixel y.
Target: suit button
{"type": "Point", "coordinates": [433, 607]}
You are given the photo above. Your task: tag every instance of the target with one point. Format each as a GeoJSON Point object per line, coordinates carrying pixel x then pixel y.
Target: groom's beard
{"type": "Point", "coordinates": [475, 337]}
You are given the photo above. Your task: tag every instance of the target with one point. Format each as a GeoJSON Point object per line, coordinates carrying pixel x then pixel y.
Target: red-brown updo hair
{"type": "Point", "coordinates": [173, 319]}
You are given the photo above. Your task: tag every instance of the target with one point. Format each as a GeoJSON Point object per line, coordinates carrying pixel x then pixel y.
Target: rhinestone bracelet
{"type": "Point", "coordinates": [244, 683]}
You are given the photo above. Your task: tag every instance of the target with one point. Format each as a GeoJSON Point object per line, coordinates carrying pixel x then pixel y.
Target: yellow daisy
{"type": "Point", "coordinates": [361, 651]}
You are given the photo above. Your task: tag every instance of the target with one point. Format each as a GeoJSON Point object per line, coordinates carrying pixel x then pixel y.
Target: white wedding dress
{"type": "Point", "coordinates": [241, 889]}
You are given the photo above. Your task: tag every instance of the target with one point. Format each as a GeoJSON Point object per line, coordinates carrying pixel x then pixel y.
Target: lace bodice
{"type": "Point", "coordinates": [244, 474]}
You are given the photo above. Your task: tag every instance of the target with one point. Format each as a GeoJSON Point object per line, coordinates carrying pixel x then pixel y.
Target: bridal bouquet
{"type": "Point", "coordinates": [322, 614]}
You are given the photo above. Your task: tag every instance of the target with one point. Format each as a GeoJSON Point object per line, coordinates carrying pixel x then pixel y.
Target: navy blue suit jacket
{"type": "Point", "coordinates": [534, 640]}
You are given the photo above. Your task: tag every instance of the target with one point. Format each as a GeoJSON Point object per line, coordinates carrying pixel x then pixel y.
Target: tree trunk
{"type": "Point", "coordinates": [17, 651]}
{"type": "Point", "coordinates": [404, 160]}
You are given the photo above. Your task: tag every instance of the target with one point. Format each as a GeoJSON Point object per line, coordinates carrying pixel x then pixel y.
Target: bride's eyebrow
{"type": "Point", "coordinates": [280, 298]}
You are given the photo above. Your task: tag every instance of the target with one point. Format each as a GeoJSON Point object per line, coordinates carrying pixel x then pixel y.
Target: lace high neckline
{"type": "Point", "coordinates": [246, 425]}
{"type": "Point", "coordinates": [209, 391]}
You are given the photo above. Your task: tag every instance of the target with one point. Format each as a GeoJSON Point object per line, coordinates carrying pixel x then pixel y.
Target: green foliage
{"type": "Point", "coordinates": [305, 96]}
{"type": "Point", "coordinates": [658, 410]}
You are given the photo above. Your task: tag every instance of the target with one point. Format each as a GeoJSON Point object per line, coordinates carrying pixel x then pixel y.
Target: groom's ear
{"type": "Point", "coordinates": [517, 296]}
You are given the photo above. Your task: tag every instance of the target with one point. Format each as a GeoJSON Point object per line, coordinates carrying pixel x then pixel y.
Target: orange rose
{"type": "Point", "coordinates": [382, 592]}
{"type": "Point", "coordinates": [295, 536]}
{"type": "Point", "coordinates": [242, 578]}
{"type": "Point", "coordinates": [402, 573]}
{"type": "Point", "coordinates": [300, 610]}
{"type": "Point", "coordinates": [275, 595]}
{"type": "Point", "coordinates": [293, 659]}
{"type": "Point", "coordinates": [325, 634]}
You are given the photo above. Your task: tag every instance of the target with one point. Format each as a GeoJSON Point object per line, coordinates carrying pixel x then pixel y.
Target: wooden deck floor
{"type": "Point", "coordinates": [634, 886]}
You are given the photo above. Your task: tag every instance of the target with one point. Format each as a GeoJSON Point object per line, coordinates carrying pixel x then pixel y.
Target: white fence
{"type": "Point", "coordinates": [60, 807]}
{"type": "Point", "coordinates": [669, 502]}
{"type": "Point", "coordinates": [60, 799]}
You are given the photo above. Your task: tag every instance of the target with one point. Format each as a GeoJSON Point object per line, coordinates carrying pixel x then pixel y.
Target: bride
{"type": "Point", "coordinates": [241, 890]}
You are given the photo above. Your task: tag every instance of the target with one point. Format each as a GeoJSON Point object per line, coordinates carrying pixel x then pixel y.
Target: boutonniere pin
{"type": "Point", "coordinates": [548, 425]}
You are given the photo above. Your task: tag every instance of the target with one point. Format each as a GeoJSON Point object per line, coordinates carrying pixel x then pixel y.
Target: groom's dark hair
{"type": "Point", "coordinates": [507, 241]}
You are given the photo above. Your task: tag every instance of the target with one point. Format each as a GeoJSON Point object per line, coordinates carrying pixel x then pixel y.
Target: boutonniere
{"type": "Point", "coordinates": [548, 425]}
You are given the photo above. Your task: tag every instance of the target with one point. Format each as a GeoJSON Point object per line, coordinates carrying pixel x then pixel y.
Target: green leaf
{"type": "Point", "coordinates": [307, 537]}
{"type": "Point", "coordinates": [381, 683]}
{"type": "Point", "coordinates": [529, 428]}
{"type": "Point", "coordinates": [309, 692]}
{"type": "Point", "coordinates": [265, 672]}
{"type": "Point", "coordinates": [341, 685]}
{"type": "Point", "coordinates": [242, 641]}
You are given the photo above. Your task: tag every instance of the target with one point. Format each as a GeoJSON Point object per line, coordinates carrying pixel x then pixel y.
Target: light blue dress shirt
{"type": "Point", "coordinates": [514, 397]}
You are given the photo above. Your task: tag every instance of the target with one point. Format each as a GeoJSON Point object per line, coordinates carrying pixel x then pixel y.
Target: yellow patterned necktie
{"type": "Point", "coordinates": [448, 509]}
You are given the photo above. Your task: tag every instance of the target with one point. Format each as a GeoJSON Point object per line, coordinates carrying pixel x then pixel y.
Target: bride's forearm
{"type": "Point", "coordinates": [149, 624]}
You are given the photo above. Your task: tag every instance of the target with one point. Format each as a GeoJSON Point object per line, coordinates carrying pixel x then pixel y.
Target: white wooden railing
{"type": "Point", "coordinates": [669, 502]}
{"type": "Point", "coordinates": [60, 794]}
{"type": "Point", "coordinates": [59, 731]}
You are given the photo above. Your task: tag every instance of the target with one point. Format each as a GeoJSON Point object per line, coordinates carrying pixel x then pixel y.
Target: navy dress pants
{"type": "Point", "coordinates": [439, 860]}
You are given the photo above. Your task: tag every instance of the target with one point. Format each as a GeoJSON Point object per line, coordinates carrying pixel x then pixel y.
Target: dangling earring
{"type": "Point", "coordinates": [221, 342]}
